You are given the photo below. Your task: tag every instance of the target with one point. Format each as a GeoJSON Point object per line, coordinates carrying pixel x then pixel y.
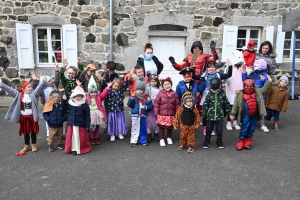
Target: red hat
{"type": "Point", "coordinates": [251, 44]}
{"type": "Point", "coordinates": [25, 84]}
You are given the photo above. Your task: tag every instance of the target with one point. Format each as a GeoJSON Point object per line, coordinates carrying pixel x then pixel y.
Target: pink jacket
{"type": "Point", "coordinates": [99, 99]}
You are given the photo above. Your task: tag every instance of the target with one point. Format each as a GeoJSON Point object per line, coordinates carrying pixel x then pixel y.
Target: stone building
{"type": "Point", "coordinates": [32, 30]}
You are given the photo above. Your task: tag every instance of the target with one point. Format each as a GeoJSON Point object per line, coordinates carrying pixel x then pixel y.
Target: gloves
{"type": "Point", "coordinates": [212, 45]}
{"type": "Point", "coordinates": [172, 60]}
{"type": "Point", "coordinates": [202, 79]}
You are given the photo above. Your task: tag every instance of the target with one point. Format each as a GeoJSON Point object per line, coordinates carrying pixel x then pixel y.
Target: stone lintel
{"type": "Point", "coordinates": [251, 21]}
{"type": "Point", "coordinates": [168, 33]}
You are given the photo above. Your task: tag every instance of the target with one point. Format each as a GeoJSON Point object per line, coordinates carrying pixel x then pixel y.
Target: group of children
{"type": "Point", "coordinates": [154, 105]}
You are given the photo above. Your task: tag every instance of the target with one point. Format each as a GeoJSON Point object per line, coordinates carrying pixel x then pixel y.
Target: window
{"type": "Point", "coordinates": [288, 47]}
{"type": "Point", "coordinates": [48, 44]}
{"type": "Point", "coordinates": [246, 34]}
{"type": "Point", "coordinates": [48, 40]}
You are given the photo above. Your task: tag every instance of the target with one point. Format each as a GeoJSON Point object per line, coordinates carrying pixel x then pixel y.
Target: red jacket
{"type": "Point", "coordinates": [249, 57]}
{"type": "Point", "coordinates": [166, 105]}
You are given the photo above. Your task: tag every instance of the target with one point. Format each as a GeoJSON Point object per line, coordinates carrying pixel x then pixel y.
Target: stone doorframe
{"type": "Point", "coordinates": [143, 34]}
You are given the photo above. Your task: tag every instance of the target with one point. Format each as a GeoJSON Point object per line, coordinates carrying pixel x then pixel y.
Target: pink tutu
{"type": "Point", "coordinates": [97, 117]}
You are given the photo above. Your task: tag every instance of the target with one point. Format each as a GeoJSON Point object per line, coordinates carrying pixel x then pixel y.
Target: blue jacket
{"type": "Point", "coordinates": [57, 116]}
{"type": "Point", "coordinates": [181, 88]}
{"type": "Point", "coordinates": [255, 75]}
{"type": "Point", "coordinates": [135, 105]}
{"type": "Point", "coordinates": [79, 116]}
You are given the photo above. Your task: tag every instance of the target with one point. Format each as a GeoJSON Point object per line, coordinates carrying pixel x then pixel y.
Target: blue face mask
{"type": "Point", "coordinates": [148, 56]}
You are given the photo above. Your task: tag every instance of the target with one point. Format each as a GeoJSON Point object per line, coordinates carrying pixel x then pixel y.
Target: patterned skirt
{"type": "Point", "coordinates": [27, 125]}
{"type": "Point", "coordinates": [165, 121]}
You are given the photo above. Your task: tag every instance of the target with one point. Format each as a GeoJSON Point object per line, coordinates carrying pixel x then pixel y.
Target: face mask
{"type": "Point", "coordinates": [148, 56]}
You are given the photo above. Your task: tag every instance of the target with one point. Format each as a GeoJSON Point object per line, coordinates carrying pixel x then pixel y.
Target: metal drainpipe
{"type": "Point", "coordinates": [111, 20]}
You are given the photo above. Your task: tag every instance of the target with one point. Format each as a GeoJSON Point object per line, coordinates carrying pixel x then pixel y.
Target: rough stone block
{"type": "Point", "coordinates": [24, 4]}
{"type": "Point", "coordinates": [122, 39]}
{"type": "Point", "coordinates": [234, 5]}
{"type": "Point", "coordinates": [84, 2]}
{"type": "Point", "coordinates": [205, 35]}
{"type": "Point", "coordinates": [9, 4]}
{"type": "Point", "coordinates": [256, 6]}
{"type": "Point", "coordinates": [207, 21]}
{"type": "Point", "coordinates": [7, 10]}
{"type": "Point", "coordinates": [269, 6]}
{"type": "Point", "coordinates": [12, 17]}
{"type": "Point", "coordinates": [104, 15]}
{"type": "Point", "coordinates": [85, 14]}
{"type": "Point", "coordinates": [105, 38]}
{"type": "Point", "coordinates": [19, 11]}
{"type": "Point", "coordinates": [74, 14]}
{"type": "Point", "coordinates": [207, 4]}
{"type": "Point", "coordinates": [90, 38]}
{"type": "Point", "coordinates": [63, 2]}
{"type": "Point", "coordinates": [101, 22]}
{"type": "Point", "coordinates": [193, 3]}
{"type": "Point", "coordinates": [246, 5]}
{"type": "Point", "coordinates": [89, 8]}
{"type": "Point", "coordinates": [86, 22]}
{"type": "Point", "coordinates": [77, 8]}
{"type": "Point", "coordinates": [1, 72]}
{"type": "Point", "coordinates": [23, 18]}
{"type": "Point", "coordinates": [5, 39]}
{"type": "Point", "coordinates": [6, 81]}
{"type": "Point", "coordinates": [3, 18]}
{"type": "Point", "coordinates": [16, 83]}
{"type": "Point", "coordinates": [217, 21]}
{"type": "Point", "coordinates": [75, 21]}
{"type": "Point", "coordinates": [127, 22]}
{"type": "Point", "coordinates": [95, 2]}
{"type": "Point", "coordinates": [11, 73]}
{"type": "Point", "coordinates": [222, 5]}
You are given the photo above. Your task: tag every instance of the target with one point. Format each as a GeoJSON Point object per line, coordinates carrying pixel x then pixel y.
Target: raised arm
{"type": "Point", "coordinates": [12, 92]}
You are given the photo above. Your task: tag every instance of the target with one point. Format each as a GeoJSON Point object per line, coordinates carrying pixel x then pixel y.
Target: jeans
{"type": "Point", "coordinates": [271, 113]}
{"type": "Point", "coordinates": [248, 126]}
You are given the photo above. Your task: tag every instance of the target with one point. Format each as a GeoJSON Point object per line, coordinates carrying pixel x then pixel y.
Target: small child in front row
{"type": "Point", "coordinates": [24, 110]}
{"type": "Point", "coordinates": [277, 100]}
{"type": "Point", "coordinates": [215, 107]}
{"type": "Point", "coordinates": [249, 107]}
{"type": "Point", "coordinates": [152, 89]}
{"type": "Point", "coordinates": [187, 118]}
{"type": "Point", "coordinates": [55, 115]}
{"type": "Point", "coordinates": [79, 119]}
{"type": "Point", "coordinates": [117, 125]}
{"type": "Point", "coordinates": [141, 104]}
{"type": "Point", "coordinates": [166, 104]}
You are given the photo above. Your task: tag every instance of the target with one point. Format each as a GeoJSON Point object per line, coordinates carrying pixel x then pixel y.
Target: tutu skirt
{"type": "Point", "coordinates": [97, 117]}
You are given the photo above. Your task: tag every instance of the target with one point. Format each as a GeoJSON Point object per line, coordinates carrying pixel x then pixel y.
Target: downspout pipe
{"type": "Point", "coordinates": [111, 20]}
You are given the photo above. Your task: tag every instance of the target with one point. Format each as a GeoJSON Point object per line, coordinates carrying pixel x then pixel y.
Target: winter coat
{"type": "Point", "coordinates": [181, 88]}
{"type": "Point", "coordinates": [79, 116]}
{"type": "Point", "coordinates": [14, 112]}
{"type": "Point", "coordinates": [277, 98]}
{"type": "Point", "coordinates": [99, 99]}
{"type": "Point", "coordinates": [166, 105]}
{"type": "Point", "coordinates": [216, 106]}
{"type": "Point", "coordinates": [238, 106]}
{"type": "Point", "coordinates": [270, 59]}
{"type": "Point", "coordinates": [134, 103]}
{"type": "Point", "coordinates": [84, 78]}
{"type": "Point", "coordinates": [159, 65]}
{"type": "Point", "coordinates": [57, 116]}
{"type": "Point", "coordinates": [115, 99]}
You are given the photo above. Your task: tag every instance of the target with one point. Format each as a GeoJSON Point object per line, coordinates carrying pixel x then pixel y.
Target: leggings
{"type": "Point", "coordinates": [162, 130]}
{"type": "Point", "coordinates": [27, 138]}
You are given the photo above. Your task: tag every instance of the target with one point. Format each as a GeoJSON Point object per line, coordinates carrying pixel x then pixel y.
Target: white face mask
{"type": "Point", "coordinates": [248, 71]}
{"type": "Point", "coordinates": [256, 65]}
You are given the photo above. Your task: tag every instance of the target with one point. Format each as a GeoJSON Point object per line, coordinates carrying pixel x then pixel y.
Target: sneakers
{"type": "Point", "coordinates": [132, 145]}
{"type": "Point", "coordinates": [206, 144]}
{"type": "Point", "coordinates": [162, 143]}
{"type": "Point", "coordinates": [51, 148]}
{"type": "Point", "coordinates": [169, 141]}
{"type": "Point", "coordinates": [264, 129]}
{"type": "Point", "coordinates": [276, 127]}
{"type": "Point", "coordinates": [240, 144]}
{"type": "Point", "coordinates": [60, 146]}
{"type": "Point", "coordinates": [236, 126]}
{"type": "Point", "coordinates": [219, 143]}
{"type": "Point", "coordinates": [204, 130]}
{"type": "Point", "coordinates": [112, 138]}
{"type": "Point", "coordinates": [145, 144]}
{"type": "Point", "coordinates": [121, 137]}
{"type": "Point", "coordinates": [190, 150]}
{"type": "Point", "coordinates": [229, 126]}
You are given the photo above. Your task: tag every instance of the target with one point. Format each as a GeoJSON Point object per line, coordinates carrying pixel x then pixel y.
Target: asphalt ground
{"type": "Point", "coordinates": [113, 170]}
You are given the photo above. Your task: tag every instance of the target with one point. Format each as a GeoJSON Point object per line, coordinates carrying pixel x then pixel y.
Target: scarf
{"type": "Point", "coordinates": [75, 103]}
{"type": "Point", "coordinates": [141, 97]}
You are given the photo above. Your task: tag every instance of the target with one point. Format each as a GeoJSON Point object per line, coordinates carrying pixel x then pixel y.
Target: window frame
{"type": "Point", "coordinates": [290, 59]}
{"type": "Point", "coordinates": [248, 30]}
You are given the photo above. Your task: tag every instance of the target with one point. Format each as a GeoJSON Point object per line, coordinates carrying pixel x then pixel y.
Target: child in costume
{"type": "Point", "coordinates": [136, 74]}
{"type": "Point", "coordinates": [98, 116]}
{"type": "Point", "coordinates": [117, 125]}
{"type": "Point", "coordinates": [277, 100]}
{"type": "Point", "coordinates": [187, 118]}
{"type": "Point", "coordinates": [24, 110]}
{"type": "Point", "coordinates": [233, 84]}
{"type": "Point", "coordinates": [249, 107]}
{"type": "Point", "coordinates": [78, 122]}
{"type": "Point", "coordinates": [152, 89]}
{"type": "Point", "coordinates": [141, 104]}
{"type": "Point", "coordinates": [166, 104]}
{"type": "Point", "coordinates": [215, 108]}
{"type": "Point", "coordinates": [55, 115]}
{"type": "Point", "coordinates": [260, 77]}
{"type": "Point", "coordinates": [249, 53]}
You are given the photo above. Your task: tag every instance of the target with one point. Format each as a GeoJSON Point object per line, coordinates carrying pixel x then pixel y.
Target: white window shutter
{"type": "Point", "coordinates": [270, 34]}
{"type": "Point", "coordinates": [70, 44]}
{"type": "Point", "coordinates": [25, 46]}
{"type": "Point", "coordinates": [229, 41]}
{"type": "Point", "coordinates": [279, 44]}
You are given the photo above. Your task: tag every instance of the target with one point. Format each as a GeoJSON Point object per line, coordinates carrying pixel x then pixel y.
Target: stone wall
{"type": "Point", "coordinates": [92, 20]}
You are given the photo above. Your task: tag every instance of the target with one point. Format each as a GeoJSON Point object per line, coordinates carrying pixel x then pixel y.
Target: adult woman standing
{"type": "Point", "coordinates": [266, 52]}
{"type": "Point", "coordinates": [149, 62]}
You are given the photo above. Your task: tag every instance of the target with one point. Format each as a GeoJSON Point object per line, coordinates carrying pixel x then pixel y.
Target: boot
{"type": "Point", "coordinates": [149, 137]}
{"type": "Point", "coordinates": [248, 143]}
{"type": "Point", "coordinates": [97, 141]}
{"type": "Point", "coordinates": [26, 148]}
{"type": "Point", "coordinates": [240, 144]}
{"type": "Point", "coordinates": [34, 148]}
{"type": "Point", "coordinates": [219, 143]}
{"type": "Point", "coordinates": [93, 141]}
{"type": "Point", "coordinates": [156, 137]}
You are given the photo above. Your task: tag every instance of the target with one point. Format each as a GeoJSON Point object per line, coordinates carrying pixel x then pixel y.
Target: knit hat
{"type": "Point", "coordinates": [197, 44]}
{"type": "Point", "coordinates": [140, 85]}
{"type": "Point", "coordinates": [187, 95]}
{"type": "Point", "coordinates": [260, 64]}
{"type": "Point", "coordinates": [285, 78]}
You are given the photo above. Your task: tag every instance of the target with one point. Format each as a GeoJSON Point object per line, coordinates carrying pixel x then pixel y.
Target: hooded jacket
{"type": "Point", "coordinates": [166, 105]}
{"type": "Point", "coordinates": [277, 98]}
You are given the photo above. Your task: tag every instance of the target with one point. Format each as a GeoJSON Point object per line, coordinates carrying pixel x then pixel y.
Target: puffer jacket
{"type": "Point", "coordinates": [57, 116]}
{"type": "Point", "coordinates": [238, 106]}
{"type": "Point", "coordinates": [277, 98]}
{"type": "Point", "coordinates": [166, 105]}
{"type": "Point", "coordinates": [270, 59]}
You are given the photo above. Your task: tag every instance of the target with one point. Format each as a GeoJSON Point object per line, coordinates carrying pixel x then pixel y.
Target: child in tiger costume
{"type": "Point", "coordinates": [187, 118]}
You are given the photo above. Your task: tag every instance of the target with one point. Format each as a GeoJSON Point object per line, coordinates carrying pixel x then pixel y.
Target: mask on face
{"type": "Point", "coordinates": [148, 56]}
{"type": "Point", "coordinates": [248, 86]}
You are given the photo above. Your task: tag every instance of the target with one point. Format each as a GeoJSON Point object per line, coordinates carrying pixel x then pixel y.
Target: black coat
{"type": "Point", "coordinates": [159, 65]}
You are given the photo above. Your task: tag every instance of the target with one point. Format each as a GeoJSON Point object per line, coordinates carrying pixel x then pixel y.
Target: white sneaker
{"type": "Point", "coordinates": [169, 141]}
{"type": "Point", "coordinates": [112, 138]}
{"type": "Point", "coordinates": [236, 126]}
{"type": "Point", "coordinates": [121, 137]}
{"type": "Point", "coordinates": [162, 143]}
{"type": "Point", "coordinates": [264, 129]}
{"type": "Point", "coordinates": [229, 126]}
